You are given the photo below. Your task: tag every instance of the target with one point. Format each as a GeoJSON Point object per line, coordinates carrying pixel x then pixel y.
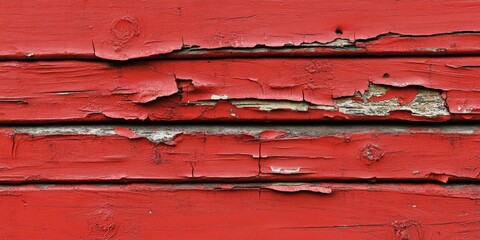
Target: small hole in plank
{"type": "Point", "coordinates": [338, 31]}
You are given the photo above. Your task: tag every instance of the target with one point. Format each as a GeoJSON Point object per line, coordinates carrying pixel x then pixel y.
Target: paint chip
{"type": "Point", "coordinates": [282, 170]}
{"type": "Point", "coordinates": [126, 132]}
{"type": "Point", "coordinates": [299, 188]}
{"type": "Point", "coordinates": [219, 97]}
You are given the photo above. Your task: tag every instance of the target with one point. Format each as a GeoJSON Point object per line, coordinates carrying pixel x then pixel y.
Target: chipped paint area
{"type": "Point", "coordinates": [204, 66]}
{"type": "Point", "coordinates": [219, 97]}
{"type": "Point", "coordinates": [292, 188]}
{"type": "Point", "coordinates": [415, 89]}
{"type": "Point", "coordinates": [282, 170]}
{"type": "Point", "coordinates": [427, 103]}
{"type": "Point", "coordinates": [152, 135]}
{"type": "Point", "coordinates": [269, 105]}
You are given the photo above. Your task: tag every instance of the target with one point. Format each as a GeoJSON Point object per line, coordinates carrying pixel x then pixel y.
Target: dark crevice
{"type": "Point", "coordinates": [253, 181]}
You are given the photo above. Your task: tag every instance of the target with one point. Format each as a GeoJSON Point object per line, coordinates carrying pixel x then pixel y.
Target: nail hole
{"type": "Point", "coordinates": [386, 75]}
{"type": "Point", "coordinates": [338, 31]}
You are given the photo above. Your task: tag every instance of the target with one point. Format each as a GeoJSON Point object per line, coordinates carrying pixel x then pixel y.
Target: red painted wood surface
{"type": "Point", "coordinates": [233, 63]}
{"type": "Point", "coordinates": [419, 89]}
{"type": "Point", "coordinates": [238, 155]}
{"type": "Point", "coordinates": [121, 30]}
{"type": "Point", "coordinates": [350, 211]}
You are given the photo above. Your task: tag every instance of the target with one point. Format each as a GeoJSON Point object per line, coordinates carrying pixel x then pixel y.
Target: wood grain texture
{"type": "Point", "coordinates": [415, 89]}
{"type": "Point", "coordinates": [349, 211]}
{"type": "Point", "coordinates": [225, 153]}
{"type": "Point", "coordinates": [120, 30]}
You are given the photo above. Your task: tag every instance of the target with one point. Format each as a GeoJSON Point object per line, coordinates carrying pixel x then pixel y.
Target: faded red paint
{"type": "Point", "coordinates": [419, 155]}
{"type": "Point", "coordinates": [207, 89]}
{"type": "Point", "coordinates": [120, 30]}
{"type": "Point", "coordinates": [350, 211]}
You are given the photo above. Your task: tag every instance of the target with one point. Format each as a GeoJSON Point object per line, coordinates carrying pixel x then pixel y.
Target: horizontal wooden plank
{"type": "Point", "coordinates": [198, 153]}
{"type": "Point", "coordinates": [121, 30]}
{"type": "Point", "coordinates": [333, 211]}
{"type": "Point", "coordinates": [416, 89]}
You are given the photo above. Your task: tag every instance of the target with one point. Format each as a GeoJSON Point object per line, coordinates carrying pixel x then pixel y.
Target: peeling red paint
{"type": "Point", "coordinates": [271, 135]}
{"type": "Point", "coordinates": [351, 211]}
{"type": "Point", "coordinates": [247, 61]}
{"type": "Point", "coordinates": [311, 89]}
{"type": "Point", "coordinates": [120, 30]}
{"type": "Point", "coordinates": [439, 177]}
{"type": "Point", "coordinates": [423, 155]}
{"type": "Point", "coordinates": [126, 132]}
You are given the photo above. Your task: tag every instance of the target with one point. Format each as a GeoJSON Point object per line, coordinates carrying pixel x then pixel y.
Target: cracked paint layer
{"type": "Point", "coordinates": [416, 89]}
{"type": "Point", "coordinates": [253, 210]}
{"type": "Point", "coordinates": [251, 61]}
{"type": "Point", "coordinates": [118, 30]}
{"type": "Point", "coordinates": [103, 153]}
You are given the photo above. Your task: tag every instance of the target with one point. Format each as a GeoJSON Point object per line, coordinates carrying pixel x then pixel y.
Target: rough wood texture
{"type": "Point", "coordinates": [328, 211]}
{"type": "Point", "coordinates": [238, 154]}
{"type": "Point", "coordinates": [417, 89]}
{"type": "Point", "coordinates": [120, 30]}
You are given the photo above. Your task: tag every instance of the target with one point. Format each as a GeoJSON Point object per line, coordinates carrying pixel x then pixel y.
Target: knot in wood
{"type": "Point", "coordinates": [407, 230]}
{"type": "Point", "coordinates": [372, 153]}
{"type": "Point", "coordinates": [124, 30]}
{"type": "Point", "coordinates": [102, 224]}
